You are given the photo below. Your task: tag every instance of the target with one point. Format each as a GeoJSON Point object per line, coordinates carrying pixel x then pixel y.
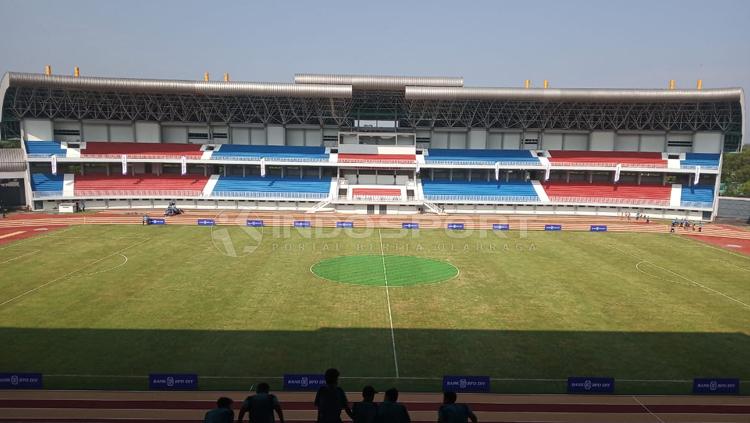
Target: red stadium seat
{"type": "Point", "coordinates": [607, 158]}
{"type": "Point", "coordinates": [116, 149]}
{"type": "Point", "coordinates": [384, 192]}
{"type": "Point", "coordinates": [621, 193]}
{"type": "Point", "coordinates": [173, 185]}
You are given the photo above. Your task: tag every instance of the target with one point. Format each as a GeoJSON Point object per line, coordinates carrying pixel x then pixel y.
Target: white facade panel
{"type": "Point", "coordinates": [276, 135]}
{"type": "Point", "coordinates": [174, 134]}
{"type": "Point", "coordinates": [602, 141]}
{"type": "Point", "coordinates": [121, 133]}
{"type": "Point", "coordinates": [457, 139]}
{"type": "Point", "coordinates": [95, 132]}
{"type": "Point", "coordinates": [38, 129]}
{"type": "Point", "coordinates": [295, 137]}
{"type": "Point", "coordinates": [626, 142]}
{"type": "Point", "coordinates": [552, 141]}
{"type": "Point", "coordinates": [512, 141]}
{"type": "Point", "coordinates": [707, 142]}
{"type": "Point", "coordinates": [575, 141]}
{"type": "Point", "coordinates": [148, 132]}
{"type": "Point", "coordinates": [439, 140]}
{"type": "Point", "coordinates": [652, 143]}
{"type": "Point", "coordinates": [313, 137]}
{"type": "Point", "coordinates": [240, 136]}
{"type": "Point", "coordinates": [258, 136]}
{"type": "Point", "coordinates": [477, 139]}
{"type": "Point", "coordinates": [495, 141]}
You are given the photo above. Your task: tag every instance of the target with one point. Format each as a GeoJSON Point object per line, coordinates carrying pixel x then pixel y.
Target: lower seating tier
{"type": "Point", "coordinates": [583, 192]}
{"type": "Point", "coordinates": [45, 182]}
{"type": "Point", "coordinates": [101, 185]}
{"type": "Point", "coordinates": [271, 187]}
{"type": "Point", "coordinates": [444, 190]}
{"type": "Point", "coordinates": [697, 196]}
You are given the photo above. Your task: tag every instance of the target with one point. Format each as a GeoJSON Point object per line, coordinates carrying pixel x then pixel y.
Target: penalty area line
{"type": "Point", "coordinates": [388, 299]}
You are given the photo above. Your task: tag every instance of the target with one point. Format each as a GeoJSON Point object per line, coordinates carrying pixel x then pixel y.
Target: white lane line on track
{"type": "Point", "coordinates": [388, 299]}
{"type": "Point", "coordinates": [8, 235]}
{"type": "Point", "coordinates": [70, 273]}
{"type": "Point", "coordinates": [34, 238]}
{"type": "Point", "coordinates": [647, 410]}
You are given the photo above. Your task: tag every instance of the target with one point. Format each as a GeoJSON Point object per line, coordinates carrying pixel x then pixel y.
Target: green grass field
{"type": "Point", "coordinates": [103, 306]}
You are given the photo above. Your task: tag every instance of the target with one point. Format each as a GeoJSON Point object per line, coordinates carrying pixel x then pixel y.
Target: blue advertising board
{"type": "Point", "coordinates": [303, 382]}
{"type": "Point", "coordinates": [156, 221]}
{"type": "Point", "coordinates": [301, 223]}
{"type": "Point", "coordinates": [344, 224]}
{"type": "Point", "coordinates": [716, 386]}
{"type": "Point", "coordinates": [591, 385]}
{"type": "Point", "coordinates": [254, 223]}
{"type": "Point", "coordinates": [500, 227]}
{"type": "Point", "coordinates": [172, 381]}
{"type": "Point", "coordinates": [466, 383]}
{"type": "Point", "coordinates": [20, 381]}
{"type": "Point", "coordinates": [552, 227]}
{"type": "Point", "coordinates": [598, 228]}
{"type": "Point", "coordinates": [410, 225]}
{"type": "Point", "coordinates": [206, 222]}
{"type": "Point", "coordinates": [456, 226]}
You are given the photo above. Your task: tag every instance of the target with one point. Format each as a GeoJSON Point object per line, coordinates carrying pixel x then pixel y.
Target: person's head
{"type": "Point", "coordinates": [449, 397]}
{"type": "Point", "coordinates": [368, 393]}
{"type": "Point", "coordinates": [262, 388]}
{"type": "Point", "coordinates": [224, 402]}
{"type": "Point", "coordinates": [332, 377]}
{"type": "Point", "coordinates": [391, 395]}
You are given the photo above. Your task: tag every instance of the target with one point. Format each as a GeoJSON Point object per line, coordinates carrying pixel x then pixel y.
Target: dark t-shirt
{"type": "Point", "coordinates": [261, 407]}
{"type": "Point", "coordinates": [454, 413]}
{"type": "Point", "coordinates": [219, 415]}
{"type": "Point", "coordinates": [330, 400]}
{"type": "Point", "coordinates": [364, 412]}
{"type": "Point", "coordinates": [392, 412]}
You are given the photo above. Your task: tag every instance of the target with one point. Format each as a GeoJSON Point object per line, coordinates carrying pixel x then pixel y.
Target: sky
{"type": "Point", "coordinates": [613, 43]}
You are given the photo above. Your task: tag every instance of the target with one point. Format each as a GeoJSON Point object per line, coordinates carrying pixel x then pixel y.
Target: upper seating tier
{"type": "Point", "coordinates": [47, 182]}
{"type": "Point", "coordinates": [606, 158]}
{"type": "Point", "coordinates": [145, 150]}
{"type": "Point", "coordinates": [380, 158]}
{"type": "Point", "coordinates": [605, 192]}
{"type": "Point", "coordinates": [706, 160]}
{"type": "Point", "coordinates": [480, 156]}
{"type": "Point", "coordinates": [269, 186]}
{"type": "Point", "coordinates": [44, 148]}
{"type": "Point", "coordinates": [102, 185]}
{"type": "Point", "coordinates": [271, 152]}
{"type": "Point", "coordinates": [521, 191]}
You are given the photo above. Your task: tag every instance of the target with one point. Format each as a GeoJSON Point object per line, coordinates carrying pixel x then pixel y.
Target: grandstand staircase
{"type": "Point", "coordinates": [319, 206]}
{"type": "Point", "coordinates": [433, 207]}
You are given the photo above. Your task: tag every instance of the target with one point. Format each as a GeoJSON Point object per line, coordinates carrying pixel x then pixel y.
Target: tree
{"type": "Point", "coordinates": [736, 174]}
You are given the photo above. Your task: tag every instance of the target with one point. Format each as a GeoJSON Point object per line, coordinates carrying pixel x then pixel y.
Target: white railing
{"type": "Point", "coordinates": [39, 155]}
{"type": "Point", "coordinates": [494, 198]}
{"type": "Point", "coordinates": [274, 195]}
{"type": "Point", "coordinates": [530, 163]}
{"type": "Point", "coordinates": [691, 166]}
{"type": "Point", "coordinates": [136, 193]}
{"type": "Point", "coordinates": [399, 161]}
{"type": "Point", "coordinates": [46, 194]}
{"type": "Point", "coordinates": [697, 204]}
{"type": "Point", "coordinates": [377, 197]}
{"type": "Point", "coordinates": [272, 159]}
{"type": "Point", "coordinates": [137, 156]}
{"type": "Point", "coordinates": [607, 164]}
{"type": "Point", "coordinates": [609, 200]}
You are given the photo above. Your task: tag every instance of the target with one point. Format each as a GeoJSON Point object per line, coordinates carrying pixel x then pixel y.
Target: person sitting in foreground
{"type": "Point", "coordinates": [223, 412]}
{"type": "Point", "coordinates": [331, 399]}
{"type": "Point", "coordinates": [390, 411]}
{"type": "Point", "coordinates": [450, 412]}
{"type": "Point", "coordinates": [365, 411]}
{"type": "Point", "coordinates": [260, 407]}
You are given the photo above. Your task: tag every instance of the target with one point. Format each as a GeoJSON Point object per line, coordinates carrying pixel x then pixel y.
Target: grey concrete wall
{"type": "Point", "coordinates": [734, 208]}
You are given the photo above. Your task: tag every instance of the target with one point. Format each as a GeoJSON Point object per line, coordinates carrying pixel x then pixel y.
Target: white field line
{"type": "Point", "coordinates": [34, 238]}
{"type": "Point", "coordinates": [388, 299]}
{"type": "Point", "coordinates": [18, 257]}
{"type": "Point", "coordinates": [111, 268]}
{"type": "Point", "coordinates": [70, 273]}
{"type": "Point", "coordinates": [646, 408]}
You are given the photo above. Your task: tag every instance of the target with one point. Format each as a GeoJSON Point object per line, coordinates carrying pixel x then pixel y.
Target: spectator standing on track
{"type": "Point", "coordinates": [450, 412]}
{"type": "Point", "coordinates": [365, 411]}
{"type": "Point", "coordinates": [331, 399]}
{"type": "Point", "coordinates": [261, 406]}
{"type": "Point", "coordinates": [391, 411]}
{"type": "Point", "coordinates": [223, 412]}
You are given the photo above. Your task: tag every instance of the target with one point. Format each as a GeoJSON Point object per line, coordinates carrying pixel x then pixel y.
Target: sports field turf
{"type": "Point", "coordinates": [103, 306]}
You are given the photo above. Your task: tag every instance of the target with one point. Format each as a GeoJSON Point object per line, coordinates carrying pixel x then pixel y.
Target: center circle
{"type": "Point", "coordinates": [371, 270]}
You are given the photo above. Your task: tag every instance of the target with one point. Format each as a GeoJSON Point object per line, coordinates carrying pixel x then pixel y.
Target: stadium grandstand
{"type": "Point", "coordinates": [370, 145]}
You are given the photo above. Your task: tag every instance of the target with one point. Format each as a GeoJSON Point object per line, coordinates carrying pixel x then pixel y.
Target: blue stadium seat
{"type": "Point", "coordinates": [697, 196]}
{"type": "Point", "coordinates": [272, 187]}
{"type": "Point", "coordinates": [272, 152]}
{"type": "Point", "coordinates": [706, 160]}
{"type": "Point", "coordinates": [438, 190]}
{"type": "Point", "coordinates": [44, 148]}
{"type": "Point", "coordinates": [46, 182]}
{"type": "Point", "coordinates": [481, 156]}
